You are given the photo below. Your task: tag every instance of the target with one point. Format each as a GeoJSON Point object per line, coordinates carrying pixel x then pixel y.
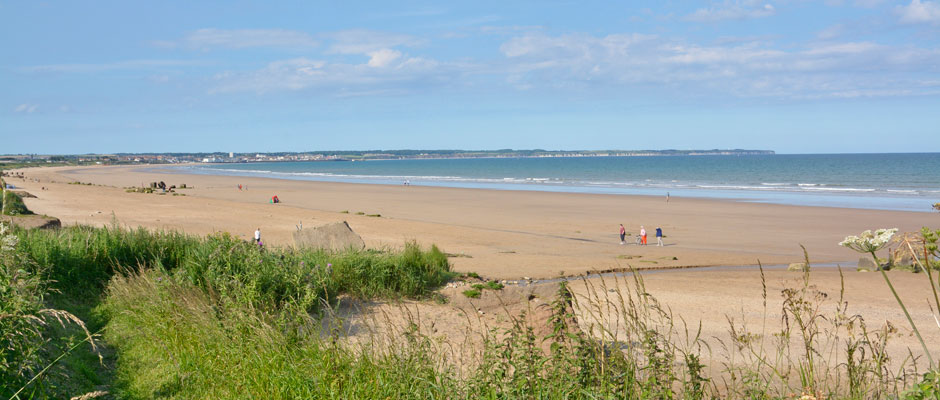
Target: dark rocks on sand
{"type": "Point", "coordinates": [335, 236]}
{"type": "Point", "coordinates": [31, 221]}
{"type": "Point", "coordinates": [797, 267]}
{"type": "Point", "coordinates": [866, 264]}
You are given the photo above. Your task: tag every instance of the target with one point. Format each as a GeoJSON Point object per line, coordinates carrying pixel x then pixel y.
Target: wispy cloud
{"type": "Point", "coordinates": [382, 58]}
{"type": "Point", "coordinates": [732, 10]}
{"type": "Point", "coordinates": [26, 108]}
{"type": "Point", "coordinates": [360, 41]}
{"type": "Point", "coordinates": [113, 66]}
{"type": "Point", "coordinates": [919, 12]}
{"type": "Point", "coordinates": [386, 71]}
{"type": "Point", "coordinates": [244, 38]}
{"type": "Point", "coordinates": [741, 69]}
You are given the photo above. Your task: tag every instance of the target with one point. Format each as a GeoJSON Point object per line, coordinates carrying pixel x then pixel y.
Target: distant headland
{"type": "Point", "coordinates": [233, 157]}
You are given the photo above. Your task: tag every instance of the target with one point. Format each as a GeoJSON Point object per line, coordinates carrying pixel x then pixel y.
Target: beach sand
{"type": "Point", "coordinates": [500, 234]}
{"type": "Point", "coordinates": [539, 235]}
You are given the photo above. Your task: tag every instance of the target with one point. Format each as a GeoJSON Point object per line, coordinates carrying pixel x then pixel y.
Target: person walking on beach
{"type": "Point", "coordinates": [258, 236]}
{"type": "Point", "coordinates": [642, 235]}
{"type": "Point", "coordinates": [667, 197]}
{"type": "Point", "coordinates": [623, 233]}
{"type": "Point", "coordinates": [659, 236]}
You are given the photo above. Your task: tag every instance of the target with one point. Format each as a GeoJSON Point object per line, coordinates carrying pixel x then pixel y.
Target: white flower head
{"type": "Point", "coordinates": [7, 242]}
{"type": "Point", "coordinates": [868, 242]}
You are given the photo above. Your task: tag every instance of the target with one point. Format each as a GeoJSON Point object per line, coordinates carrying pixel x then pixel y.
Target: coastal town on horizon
{"type": "Point", "coordinates": [233, 157]}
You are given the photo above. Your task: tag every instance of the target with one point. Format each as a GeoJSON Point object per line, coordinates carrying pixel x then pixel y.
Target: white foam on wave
{"type": "Point", "coordinates": [833, 189]}
{"type": "Point", "coordinates": [777, 187]}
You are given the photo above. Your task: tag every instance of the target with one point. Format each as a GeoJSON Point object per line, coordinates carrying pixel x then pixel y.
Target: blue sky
{"type": "Point", "coordinates": [791, 76]}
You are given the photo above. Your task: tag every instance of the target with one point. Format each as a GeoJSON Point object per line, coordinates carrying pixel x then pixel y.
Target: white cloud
{"type": "Point", "coordinates": [741, 69]}
{"type": "Point", "coordinates": [919, 12]}
{"type": "Point", "coordinates": [385, 72]}
{"type": "Point", "coordinates": [382, 58]}
{"type": "Point", "coordinates": [245, 38]}
{"type": "Point", "coordinates": [26, 108]}
{"type": "Point", "coordinates": [732, 10]}
{"type": "Point", "coordinates": [364, 41]}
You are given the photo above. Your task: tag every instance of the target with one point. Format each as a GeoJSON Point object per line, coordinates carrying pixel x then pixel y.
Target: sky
{"type": "Point", "coordinates": [837, 76]}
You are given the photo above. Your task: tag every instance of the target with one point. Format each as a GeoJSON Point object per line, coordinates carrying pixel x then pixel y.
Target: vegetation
{"type": "Point", "coordinates": [218, 317]}
{"type": "Point", "coordinates": [13, 204]}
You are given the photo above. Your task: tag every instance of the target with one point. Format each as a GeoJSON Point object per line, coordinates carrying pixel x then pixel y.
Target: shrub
{"type": "Point", "coordinates": [13, 204]}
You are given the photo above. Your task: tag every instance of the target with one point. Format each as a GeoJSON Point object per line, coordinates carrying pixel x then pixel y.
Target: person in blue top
{"type": "Point", "coordinates": [659, 236]}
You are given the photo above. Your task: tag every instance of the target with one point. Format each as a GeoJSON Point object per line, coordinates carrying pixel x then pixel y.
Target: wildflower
{"type": "Point", "coordinates": [868, 242]}
{"type": "Point", "coordinates": [7, 242]}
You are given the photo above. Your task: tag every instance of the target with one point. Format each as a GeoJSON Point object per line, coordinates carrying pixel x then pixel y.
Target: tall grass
{"type": "Point", "coordinates": [270, 287]}
{"type": "Point", "coordinates": [30, 343]}
{"type": "Point", "coordinates": [82, 259]}
{"type": "Point", "coordinates": [218, 317]}
{"type": "Point", "coordinates": [177, 342]}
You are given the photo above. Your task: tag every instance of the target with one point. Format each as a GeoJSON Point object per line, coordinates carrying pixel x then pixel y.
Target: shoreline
{"type": "Point", "coordinates": [500, 234]}
{"type": "Point", "coordinates": [812, 195]}
{"type": "Point", "coordinates": [541, 235]}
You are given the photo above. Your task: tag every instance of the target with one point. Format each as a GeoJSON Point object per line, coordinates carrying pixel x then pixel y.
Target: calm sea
{"type": "Point", "coordinates": [876, 181]}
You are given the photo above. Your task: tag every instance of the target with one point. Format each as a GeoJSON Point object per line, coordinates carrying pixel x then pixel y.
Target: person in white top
{"type": "Point", "coordinates": [258, 236]}
{"type": "Point", "coordinates": [643, 235]}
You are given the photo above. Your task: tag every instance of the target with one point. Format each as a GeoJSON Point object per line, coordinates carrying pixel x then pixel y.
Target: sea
{"type": "Point", "coordinates": [906, 182]}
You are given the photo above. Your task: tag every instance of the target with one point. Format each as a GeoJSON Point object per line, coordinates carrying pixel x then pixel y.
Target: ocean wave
{"type": "Point", "coordinates": [644, 184]}
{"type": "Point", "coordinates": [838, 189]}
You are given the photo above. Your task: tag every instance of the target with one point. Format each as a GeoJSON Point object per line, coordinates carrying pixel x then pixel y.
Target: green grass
{"type": "Point", "coordinates": [271, 287]}
{"type": "Point", "coordinates": [86, 258]}
{"type": "Point", "coordinates": [192, 317]}
{"type": "Point", "coordinates": [13, 204]}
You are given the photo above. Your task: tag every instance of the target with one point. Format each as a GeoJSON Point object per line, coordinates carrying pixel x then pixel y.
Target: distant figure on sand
{"type": "Point", "coordinates": [642, 235]}
{"type": "Point", "coordinates": [275, 200]}
{"type": "Point", "coordinates": [667, 197]}
{"type": "Point", "coordinates": [258, 236]}
{"type": "Point", "coordinates": [659, 236]}
{"type": "Point", "coordinates": [623, 233]}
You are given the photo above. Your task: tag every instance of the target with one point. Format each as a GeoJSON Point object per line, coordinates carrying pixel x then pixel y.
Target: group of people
{"type": "Point", "coordinates": [641, 238]}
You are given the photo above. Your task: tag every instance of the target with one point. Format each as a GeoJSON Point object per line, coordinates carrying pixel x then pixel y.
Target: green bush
{"type": "Point", "coordinates": [81, 259]}
{"type": "Point", "coordinates": [13, 204]}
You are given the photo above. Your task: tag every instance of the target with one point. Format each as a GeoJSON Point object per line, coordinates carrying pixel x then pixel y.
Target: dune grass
{"type": "Point", "coordinates": [13, 204]}
{"type": "Point", "coordinates": [216, 317]}
{"type": "Point", "coordinates": [73, 266]}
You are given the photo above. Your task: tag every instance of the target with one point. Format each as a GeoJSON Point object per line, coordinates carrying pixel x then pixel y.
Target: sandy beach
{"type": "Point", "coordinates": [499, 234]}
{"type": "Point", "coordinates": [516, 234]}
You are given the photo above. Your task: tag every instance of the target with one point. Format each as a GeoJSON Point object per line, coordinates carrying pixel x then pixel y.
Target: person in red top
{"type": "Point", "coordinates": [623, 233]}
